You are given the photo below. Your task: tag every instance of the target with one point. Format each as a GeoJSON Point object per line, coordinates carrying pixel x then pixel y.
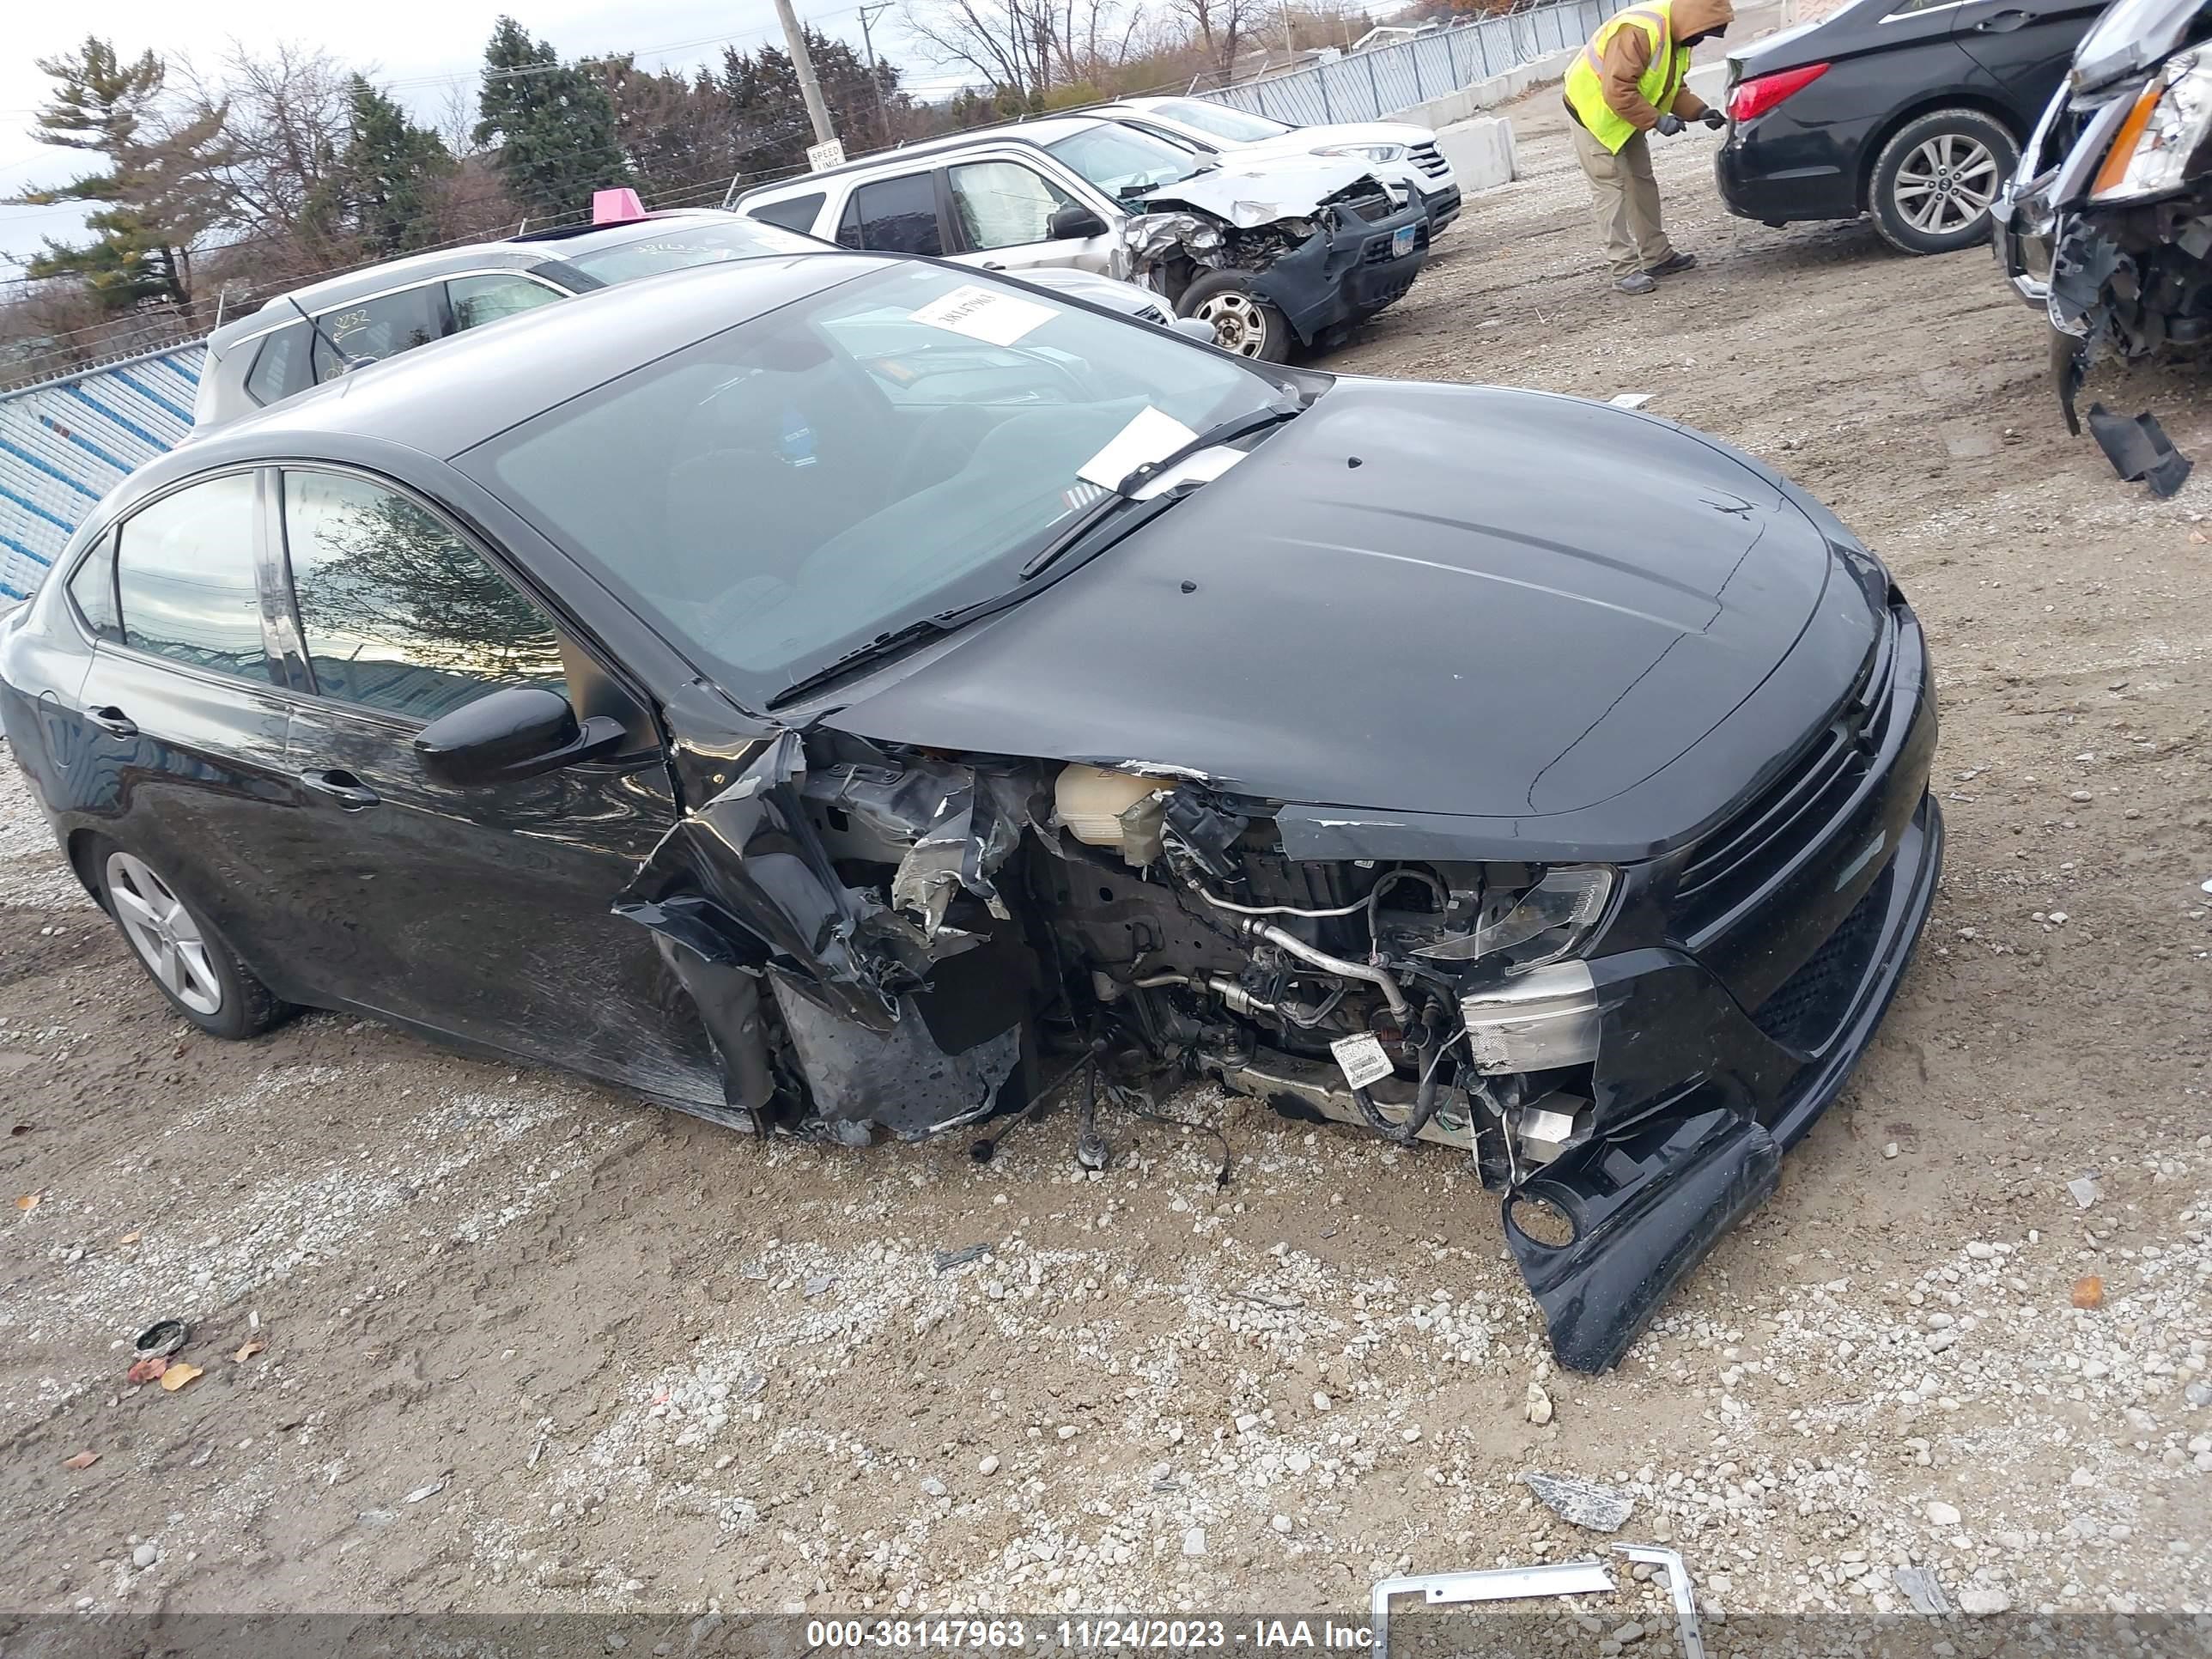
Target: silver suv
{"type": "Point", "coordinates": [1275, 253]}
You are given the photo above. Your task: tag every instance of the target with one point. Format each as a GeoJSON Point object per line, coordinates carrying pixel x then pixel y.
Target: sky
{"type": "Point", "coordinates": [421, 48]}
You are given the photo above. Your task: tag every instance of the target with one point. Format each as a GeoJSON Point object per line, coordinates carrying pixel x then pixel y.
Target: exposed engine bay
{"type": "Point", "coordinates": [903, 943]}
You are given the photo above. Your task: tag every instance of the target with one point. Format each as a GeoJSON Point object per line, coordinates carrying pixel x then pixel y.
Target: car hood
{"type": "Point", "coordinates": [1250, 192]}
{"type": "Point", "coordinates": [1306, 140]}
{"type": "Point", "coordinates": [1432, 599]}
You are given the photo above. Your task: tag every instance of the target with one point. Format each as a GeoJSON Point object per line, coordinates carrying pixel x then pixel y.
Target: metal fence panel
{"type": "Point", "coordinates": [64, 444]}
{"type": "Point", "coordinates": [1375, 84]}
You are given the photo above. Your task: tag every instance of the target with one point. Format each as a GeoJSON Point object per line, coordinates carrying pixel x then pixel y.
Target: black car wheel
{"type": "Point", "coordinates": [1248, 326]}
{"type": "Point", "coordinates": [1935, 179]}
{"type": "Point", "coordinates": [181, 952]}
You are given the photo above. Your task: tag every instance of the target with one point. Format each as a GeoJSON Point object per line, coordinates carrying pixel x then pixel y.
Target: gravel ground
{"type": "Point", "coordinates": [527, 1346]}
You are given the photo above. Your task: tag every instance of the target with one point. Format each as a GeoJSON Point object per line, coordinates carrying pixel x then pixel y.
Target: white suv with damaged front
{"type": "Point", "coordinates": [1277, 254]}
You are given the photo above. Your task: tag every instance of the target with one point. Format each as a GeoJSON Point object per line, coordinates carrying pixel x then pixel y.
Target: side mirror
{"type": "Point", "coordinates": [1196, 328]}
{"type": "Point", "coordinates": [1072, 222]}
{"type": "Point", "coordinates": [516, 733]}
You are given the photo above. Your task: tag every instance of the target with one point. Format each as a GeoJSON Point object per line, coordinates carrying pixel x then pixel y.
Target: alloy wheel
{"type": "Point", "coordinates": [163, 932]}
{"type": "Point", "coordinates": [1946, 183]}
{"type": "Point", "coordinates": [1239, 325]}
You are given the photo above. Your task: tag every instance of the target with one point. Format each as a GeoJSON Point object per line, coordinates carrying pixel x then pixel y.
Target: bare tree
{"type": "Point", "coordinates": [285, 123]}
{"type": "Point", "coordinates": [1008, 42]}
{"type": "Point", "coordinates": [1219, 27]}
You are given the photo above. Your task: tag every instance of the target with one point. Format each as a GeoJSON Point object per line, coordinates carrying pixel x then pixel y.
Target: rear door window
{"type": "Point", "coordinates": [184, 579]}
{"type": "Point", "coordinates": [793, 213]}
{"type": "Point", "coordinates": [379, 328]}
{"type": "Point", "coordinates": [397, 612]}
{"type": "Point", "coordinates": [477, 301]}
{"type": "Point", "coordinates": [894, 216]}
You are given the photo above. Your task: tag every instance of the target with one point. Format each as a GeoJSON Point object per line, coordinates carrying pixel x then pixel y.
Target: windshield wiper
{"type": "Point", "coordinates": [1078, 529]}
{"type": "Point", "coordinates": [884, 645]}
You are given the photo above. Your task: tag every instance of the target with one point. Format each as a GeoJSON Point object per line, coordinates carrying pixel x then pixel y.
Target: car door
{"type": "Point", "coordinates": [1002, 214]}
{"type": "Point", "coordinates": [183, 707]}
{"type": "Point", "coordinates": [481, 911]}
{"type": "Point", "coordinates": [2026, 46]}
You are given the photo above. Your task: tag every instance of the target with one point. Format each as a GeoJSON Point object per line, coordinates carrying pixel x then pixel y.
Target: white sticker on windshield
{"type": "Point", "coordinates": [1151, 437]}
{"type": "Point", "coordinates": [1361, 1059]}
{"type": "Point", "coordinates": [988, 315]}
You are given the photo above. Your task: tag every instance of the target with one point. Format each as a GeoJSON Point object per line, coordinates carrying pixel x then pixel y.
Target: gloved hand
{"type": "Point", "coordinates": [1715, 119]}
{"type": "Point", "coordinates": [1669, 126]}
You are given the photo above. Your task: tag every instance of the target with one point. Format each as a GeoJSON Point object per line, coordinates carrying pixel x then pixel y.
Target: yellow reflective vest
{"type": "Point", "coordinates": [1585, 79]}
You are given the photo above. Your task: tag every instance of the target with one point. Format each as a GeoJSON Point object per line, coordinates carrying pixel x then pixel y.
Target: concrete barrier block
{"type": "Point", "coordinates": [1481, 153]}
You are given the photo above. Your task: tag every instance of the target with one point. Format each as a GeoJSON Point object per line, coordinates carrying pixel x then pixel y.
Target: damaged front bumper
{"type": "Point", "coordinates": [1718, 1051]}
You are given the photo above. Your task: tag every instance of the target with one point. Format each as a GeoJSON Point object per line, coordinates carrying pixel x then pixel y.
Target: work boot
{"type": "Point", "coordinates": [1636, 282]}
{"type": "Point", "coordinates": [1671, 263]}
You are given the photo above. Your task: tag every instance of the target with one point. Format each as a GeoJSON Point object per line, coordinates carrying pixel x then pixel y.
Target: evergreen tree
{"type": "Point", "coordinates": [379, 189]}
{"type": "Point", "coordinates": [158, 194]}
{"type": "Point", "coordinates": [773, 131]}
{"type": "Point", "coordinates": [553, 122]}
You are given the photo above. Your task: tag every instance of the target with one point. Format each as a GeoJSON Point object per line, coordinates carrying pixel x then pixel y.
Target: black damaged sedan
{"type": "Point", "coordinates": [853, 697]}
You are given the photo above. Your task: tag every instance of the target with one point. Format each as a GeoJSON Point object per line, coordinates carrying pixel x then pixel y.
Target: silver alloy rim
{"type": "Point", "coordinates": [1946, 184]}
{"type": "Point", "coordinates": [163, 933]}
{"type": "Point", "coordinates": [1238, 324]}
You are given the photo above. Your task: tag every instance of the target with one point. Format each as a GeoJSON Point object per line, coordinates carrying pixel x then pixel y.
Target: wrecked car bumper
{"type": "Point", "coordinates": [1717, 1054]}
{"type": "Point", "coordinates": [1342, 277]}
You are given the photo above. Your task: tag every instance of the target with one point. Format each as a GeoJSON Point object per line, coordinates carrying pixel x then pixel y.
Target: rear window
{"type": "Point", "coordinates": [281, 370]}
{"type": "Point", "coordinates": [678, 246]}
{"type": "Point", "coordinates": [794, 212]}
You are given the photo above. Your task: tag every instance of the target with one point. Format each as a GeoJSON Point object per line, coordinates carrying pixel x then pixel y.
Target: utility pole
{"type": "Point", "coordinates": [875, 80]}
{"type": "Point", "coordinates": [809, 87]}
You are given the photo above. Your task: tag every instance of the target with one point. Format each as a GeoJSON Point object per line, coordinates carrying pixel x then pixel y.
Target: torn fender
{"type": "Point", "coordinates": [744, 882]}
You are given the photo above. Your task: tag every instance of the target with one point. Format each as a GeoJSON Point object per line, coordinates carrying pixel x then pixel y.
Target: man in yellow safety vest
{"type": "Point", "coordinates": [1624, 85]}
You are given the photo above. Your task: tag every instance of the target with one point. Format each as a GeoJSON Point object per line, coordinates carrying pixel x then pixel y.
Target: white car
{"type": "Point", "coordinates": [1397, 152]}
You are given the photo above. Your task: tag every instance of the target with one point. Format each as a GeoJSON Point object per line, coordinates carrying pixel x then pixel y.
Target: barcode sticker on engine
{"type": "Point", "coordinates": [1361, 1059]}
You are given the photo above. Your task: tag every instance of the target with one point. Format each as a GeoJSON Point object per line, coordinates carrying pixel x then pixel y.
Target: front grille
{"type": "Point", "coordinates": [1807, 1009]}
{"type": "Point", "coordinates": [1736, 859]}
{"type": "Point", "coordinates": [1425, 157]}
{"type": "Point", "coordinates": [1369, 202]}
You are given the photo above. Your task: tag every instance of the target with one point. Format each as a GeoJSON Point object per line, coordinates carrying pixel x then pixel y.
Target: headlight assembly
{"type": "Point", "coordinates": [1366, 152]}
{"type": "Point", "coordinates": [1526, 927]}
{"type": "Point", "coordinates": [2170, 118]}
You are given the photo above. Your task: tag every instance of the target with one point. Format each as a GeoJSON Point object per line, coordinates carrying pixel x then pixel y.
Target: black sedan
{"type": "Point", "coordinates": [1911, 113]}
{"type": "Point", "coordinates": [853, 696]}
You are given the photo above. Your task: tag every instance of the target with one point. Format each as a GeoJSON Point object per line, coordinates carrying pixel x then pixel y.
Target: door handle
{"type": "Point", "coordinates": [2001, 22]}
{"type": "Point", "coordinates": [113, 721]}
{"type": "Point", "coordinates": [993, 264]}
{"type": "Point", "coordinates": [350, 793]}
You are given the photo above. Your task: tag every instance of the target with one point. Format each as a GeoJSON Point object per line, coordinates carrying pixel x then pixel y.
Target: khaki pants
{"type": "Point", "coordinates": [1624, 202]}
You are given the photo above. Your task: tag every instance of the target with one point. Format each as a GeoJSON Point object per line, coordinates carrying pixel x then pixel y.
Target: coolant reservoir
{"type": "Point", "coordinates": [1111, 809]}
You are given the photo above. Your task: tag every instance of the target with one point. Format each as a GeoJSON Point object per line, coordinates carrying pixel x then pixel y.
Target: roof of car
{"type": "Point", "coordinates": [1041, 130]}
{"type": "Point", "coordinates": [485, 380]}
{"type": "Point", "coordinates": [533, 248]}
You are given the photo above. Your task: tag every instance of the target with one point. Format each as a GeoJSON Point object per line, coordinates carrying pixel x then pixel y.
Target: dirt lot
{"type": "Point", "coordinates": [527, 1346]}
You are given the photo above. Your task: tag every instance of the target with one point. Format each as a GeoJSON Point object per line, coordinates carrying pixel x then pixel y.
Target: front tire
{"type": "Point", "coordinates": [1935, 179]}
{"type": "Point", "coordinates": [1243, 324]}
{"type": "Point", "coordinates": [181, 951]}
